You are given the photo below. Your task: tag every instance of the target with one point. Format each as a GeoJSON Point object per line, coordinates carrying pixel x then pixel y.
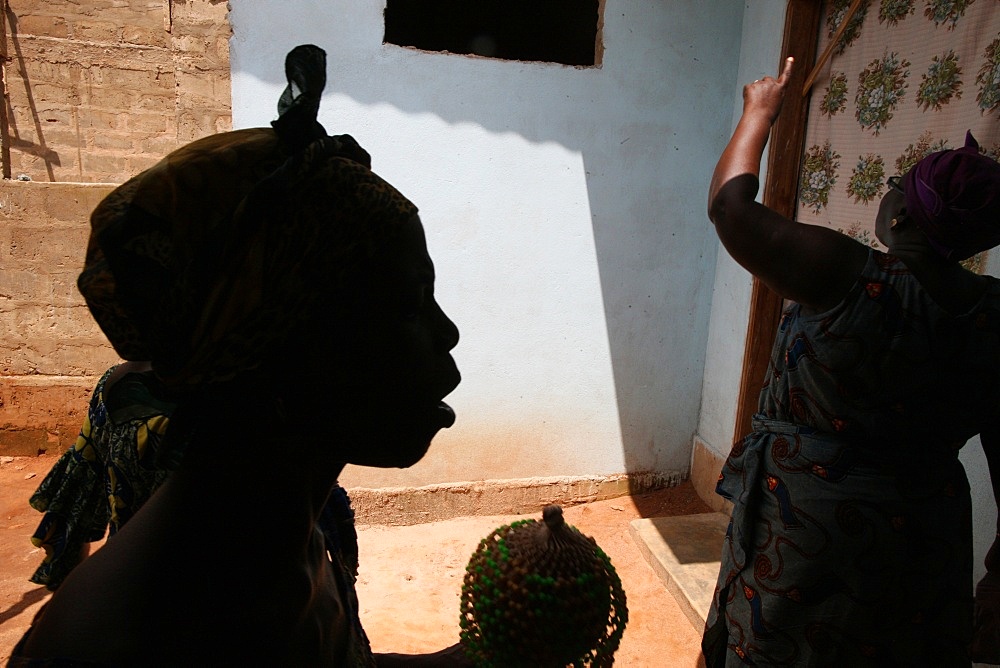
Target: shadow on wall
{"type": "Point", "coordinates": [647, 157]}
{"type": "Point", "coordinates": [39, 149]}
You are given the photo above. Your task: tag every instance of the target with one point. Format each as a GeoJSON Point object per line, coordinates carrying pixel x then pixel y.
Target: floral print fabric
{"type": "Point", "coordinates": [906, 78]}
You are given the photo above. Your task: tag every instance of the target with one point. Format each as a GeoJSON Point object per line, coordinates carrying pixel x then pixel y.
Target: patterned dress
{"type": "Point", "coordinates": [850, 542]}
{"type": "Point", "coordinates": [102, 480]}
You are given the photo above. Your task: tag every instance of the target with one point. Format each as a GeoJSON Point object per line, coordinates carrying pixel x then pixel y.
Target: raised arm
{"type": "Point", "coordinates": [814, 266]}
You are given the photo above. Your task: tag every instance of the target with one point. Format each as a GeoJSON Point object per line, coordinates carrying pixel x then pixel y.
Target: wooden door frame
{"type": "Point", "coordinates": [803, 19]}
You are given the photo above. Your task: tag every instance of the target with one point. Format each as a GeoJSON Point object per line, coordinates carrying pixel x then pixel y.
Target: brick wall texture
{"type": "Point", "coordinates": [98, 90]}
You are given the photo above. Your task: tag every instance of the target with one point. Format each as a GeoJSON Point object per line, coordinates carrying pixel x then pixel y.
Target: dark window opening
{"type": "Point", "coordinates": [554, 31]}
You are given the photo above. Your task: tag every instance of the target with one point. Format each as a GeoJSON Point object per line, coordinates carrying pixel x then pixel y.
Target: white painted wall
{"type": "Point", "coordinates": [565, 211]}
{"type": "Point", "coordinates": [760, 54]}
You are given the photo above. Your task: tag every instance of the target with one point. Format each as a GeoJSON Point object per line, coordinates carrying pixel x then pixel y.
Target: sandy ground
{"type": "Point", "coordinates": [411, 577]}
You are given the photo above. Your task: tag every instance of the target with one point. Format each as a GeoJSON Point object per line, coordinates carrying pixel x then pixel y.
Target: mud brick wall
{"type": "Point", "coordinates": [52, 351]}
{"type": "Point", "coordinates": [98, 91]}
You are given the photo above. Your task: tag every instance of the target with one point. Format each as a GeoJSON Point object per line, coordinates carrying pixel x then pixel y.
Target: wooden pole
{"type": "Point", "coordinates": [4, 96]}
{"type": "Point", "coordinates": [802, 21]}
{"type": "Point", "coordinates": [811, 79]}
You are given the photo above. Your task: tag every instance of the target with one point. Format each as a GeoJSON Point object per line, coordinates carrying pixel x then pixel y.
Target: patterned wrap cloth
{"type": "Point", "coordinates": [850, 542]}
{"type": "Point", "coordinates": [203, 262]}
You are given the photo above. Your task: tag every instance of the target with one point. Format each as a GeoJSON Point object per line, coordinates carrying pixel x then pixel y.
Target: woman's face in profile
{"type": "Point", "coordinates": [392, 357]}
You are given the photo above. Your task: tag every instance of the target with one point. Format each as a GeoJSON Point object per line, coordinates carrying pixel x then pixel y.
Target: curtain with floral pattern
{"type": "Point", "coordinates": [906, 78]}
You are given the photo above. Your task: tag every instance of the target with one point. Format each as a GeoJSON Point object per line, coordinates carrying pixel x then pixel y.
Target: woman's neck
{"type": "Point", "coordinates": [277, 483]}
{"type": "Point", "coordinates": [951, 286]}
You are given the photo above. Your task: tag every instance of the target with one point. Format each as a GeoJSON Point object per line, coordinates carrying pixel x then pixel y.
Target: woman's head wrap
{"type": "Point", "coordinates": [205, 262]}
{"type": "Point", "coordinates": [954, 196]}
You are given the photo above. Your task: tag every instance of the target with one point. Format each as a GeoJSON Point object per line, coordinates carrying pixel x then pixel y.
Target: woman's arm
{"type": "Point", "coordinates": [812, 265]}
{"type": "Point", "coordinates": [450, 657]}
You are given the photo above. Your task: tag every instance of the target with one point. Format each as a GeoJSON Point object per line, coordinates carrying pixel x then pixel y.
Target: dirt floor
{"type": "Point", "coordinates": [411, 577]}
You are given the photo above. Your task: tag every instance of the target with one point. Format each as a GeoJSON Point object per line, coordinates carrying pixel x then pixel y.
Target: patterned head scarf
{"type": "Point", "coordinates": [954, 196]}
{"type": "Point", "coordinates": [206, 262]}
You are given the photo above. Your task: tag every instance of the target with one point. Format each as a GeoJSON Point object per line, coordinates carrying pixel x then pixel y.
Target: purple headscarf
{"type": "Point", "coordinates": [954, 196]}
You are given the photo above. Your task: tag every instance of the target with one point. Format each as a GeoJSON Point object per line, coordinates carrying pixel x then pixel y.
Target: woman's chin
{"type": "Point", "coordinates": [400, 442]}
{"type": "Point", "coordinates": [400, 455]}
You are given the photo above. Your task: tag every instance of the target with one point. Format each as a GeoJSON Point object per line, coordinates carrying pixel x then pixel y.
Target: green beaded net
{"type": "Point", "coordinates": [541, 594]}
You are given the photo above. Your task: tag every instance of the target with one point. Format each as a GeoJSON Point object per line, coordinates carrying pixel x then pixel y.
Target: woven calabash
{"type": "Point", "coordinates": [541, 594]}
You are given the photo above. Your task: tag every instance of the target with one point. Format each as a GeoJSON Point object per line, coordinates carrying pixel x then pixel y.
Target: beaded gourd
{"type": "Point", "coordinates": [541, 594]}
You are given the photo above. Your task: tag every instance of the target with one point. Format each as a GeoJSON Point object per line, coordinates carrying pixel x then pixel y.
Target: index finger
{"type": "Point", "coordinates": [786, 73]}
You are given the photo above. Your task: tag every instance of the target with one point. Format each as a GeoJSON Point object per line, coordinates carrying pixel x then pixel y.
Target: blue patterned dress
{"type": "Point", "coordinates": [850, 542]}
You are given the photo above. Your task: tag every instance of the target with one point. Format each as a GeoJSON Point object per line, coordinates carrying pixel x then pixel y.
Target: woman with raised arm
{"type": "Point", "coordinates": [850, 542]}
{"type": "Point", "coordinates": [284, 296]}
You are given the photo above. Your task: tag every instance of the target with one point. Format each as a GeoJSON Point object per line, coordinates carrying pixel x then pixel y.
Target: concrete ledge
{"type": "Point", "coordinates": [431, 503]}
{"type": "Point", "coordinates": [40, 414]}
{"type": "Point", "coordinates": [685, 552]}
{"type": "Point", "coordinates": [706, 465]}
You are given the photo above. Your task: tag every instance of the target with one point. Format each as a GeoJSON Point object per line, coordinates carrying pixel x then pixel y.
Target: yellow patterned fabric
{"type": "Point", "coordinates": [100, 482]}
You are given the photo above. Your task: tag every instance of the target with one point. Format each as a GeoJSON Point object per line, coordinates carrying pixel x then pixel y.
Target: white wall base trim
{"type": "Point", "coordinates": [706, 464]}
{"type": "Point", "coordinates": [431, 503]}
